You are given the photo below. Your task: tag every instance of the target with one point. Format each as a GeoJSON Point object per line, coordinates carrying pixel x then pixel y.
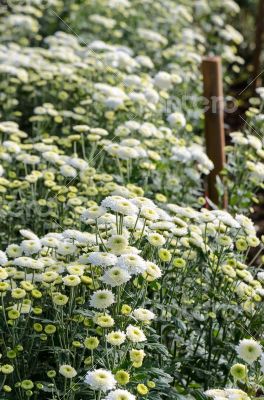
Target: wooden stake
{"type": "Point", "coordinates": [214, 121]}
{"type": "Point", "coordinates": [258, 43]}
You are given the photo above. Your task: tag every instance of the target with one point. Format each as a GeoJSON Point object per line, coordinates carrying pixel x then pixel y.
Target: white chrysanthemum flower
{"type": "Point", "coordinates": [176, 119]}
{"type": "Point", "coordinates": [135, 334]}
{"type": "Point", "coordinates": [49, 242]}
{"type": "Point", "coordinates": [249, 350]}
{"type": "Point", "coordinates": [226, 218]}
{"type": "Point", "coordinates": [130, 142]}
{"type": "Point", "coordinates": [100, 379]}
{"type": "Point", "coordinates": [149, 213]}
{"type": "Point", "coordinates": [260, 276]}
{"type": "Point", "coordinates": [113, 102]}
{"type": "Point", "coordinates": [49, 276]}
{"type": "Point", "coordinates": [110, 201]}
{"type": "Point", "coordinates": [132, 263]}
{"type": "Point", "coordinates": [51, 263]}
{"type": "Point", "coordinates": [141, 314]}
{"type": "Point", "coordinates": [143, 202]}
{"type": "Point", "coordinates": [153, 271]}
{"type": "Point", "coordinates": [252, 240]}
{"type": "Point", "coordinates": [3, 273]}
{"type": "Point", "coordinates": [147, 129]}
{"type": "Point", "coordinates": [93, 212]}
{"type": "Point", "coordinates": [117, 244]}
{"type": "Point", "coordinates": [28, 262]}
{"type": "Point", "coordinates": [163, 80]}
{"type": "Point", "coordinates": [102, 299]}
{"type": "Point", "coordinates": [67, 171]}
{"type": "Point", "coordinates": [224, 240]}
{"type": "Point", "coordinates": [71, 280]}
{"type": "Point", "coordinates": [242, 289]}
{"type": "Point", "coordinates": [67, 371]}
{"type": "Point", "coordinates": [81, 128]}
{"type": "Point", "coordinates": [163, 226]}
{"type": "Point", "coordinates": [66, 248]}
{"type": "Point", "coordinates": [238, 138]}
{"type": "Point", "coordinates": [254, 142]}
{"type": "Point", "coordinates": [145, 61]}
{"type": "Point", "coordinates": [102, 259]}
{"type": "Point", "coordinates": [126, 153]}
{"type": "Point", "coordinates": [104, 320]}
{"type": "Point", "coordinates": [121, 191]}
{"type": "Point", "coordinates": [115, 276]}
{"type": "Point", "coordinates": [30, 247]}
{"type": "Point", "coordinates": [245, 222]}
{"type": "Point", "coordinates": [11, 147]}
{"type": "Point", "coordinates": [13, 250]}
{"type": "Point", "coordinates": [120, 205]}
{"type": "Point", "coordinates": [116, 338]}
{"type": "Point", "coordinates": [76, 269]}
{"type": "Point", "coordinates": [51, 156]}
{"type": "Point", "coordinates": [3, 258]}
{"type": "Point", "coordinates": [86, 238]}
{"type": "Point", "coordinates": [120, 394]}
{"type": "Point", "coordinates": [112, 149]}
{"type": "Point", "coordinates": [78, 163]}
{"type": "Point", "coordinates": [70, 234]}
{"type": "Point", "coordinates": [55, 235]}
{"type": "Point", "coordinates": [156, 240]}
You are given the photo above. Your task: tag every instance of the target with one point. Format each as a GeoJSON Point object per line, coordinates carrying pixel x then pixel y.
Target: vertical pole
{"type": "Point", "coordinates": [258, 42]}
{"type": "Point", "coordinates": [214, 121]}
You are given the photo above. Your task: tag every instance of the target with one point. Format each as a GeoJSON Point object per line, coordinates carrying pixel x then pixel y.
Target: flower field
{"type": "Point", "coordinates": [119, 278]}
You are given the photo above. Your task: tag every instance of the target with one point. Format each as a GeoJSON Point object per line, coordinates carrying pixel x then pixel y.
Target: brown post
{"type": "Point", "coordinates": [258, 43]}
{"type": "Point", "coordinates": [214, 121]}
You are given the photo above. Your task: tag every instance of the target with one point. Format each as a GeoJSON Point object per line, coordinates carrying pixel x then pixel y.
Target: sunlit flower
{"type": "Point", "coordinates": [116, 338]}
{"type": "Point", "coordinates": [117, 243]}
{"type": "Point", "coordinates": [249, 350]}
{"type": "Point", "coordinates": [155, 239]}
{"type": "Point", "coordinates": [30, 247]}
{"type": "Point", "coordinates": [135, 334]}
{"type": "Point", "coordinates": [141, 314]}
{"type": "Point", "coordinates": [115, 276]}
{"type": "Point", "coordinates": [100, 379]}
{"type": "Point", "coordinates": [102, 299]}
{"type": "Point", "coordinates": [132, 263]}
{"type": "Point", "coordinates": [71, 280]}
{"type": "Point", "coordinates": [102, 259]}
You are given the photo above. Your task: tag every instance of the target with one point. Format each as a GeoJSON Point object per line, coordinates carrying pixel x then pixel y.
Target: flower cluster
{"type": "Point", "coordinates": [243, 175]}
{"type": "Point", "coordinates": [90, 95]}
{"type": "Point", "coordinates": [116, 281]}
{"type": "Point", "coordinates": [73, 293]}
{"type": "Point", "coordinates": [248, 376]}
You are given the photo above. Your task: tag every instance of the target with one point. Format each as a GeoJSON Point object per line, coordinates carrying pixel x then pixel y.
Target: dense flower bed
{"type": "Point", "coordinates": [73, 293]}
{"type": "Point", "coordinates": [116, 281]}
